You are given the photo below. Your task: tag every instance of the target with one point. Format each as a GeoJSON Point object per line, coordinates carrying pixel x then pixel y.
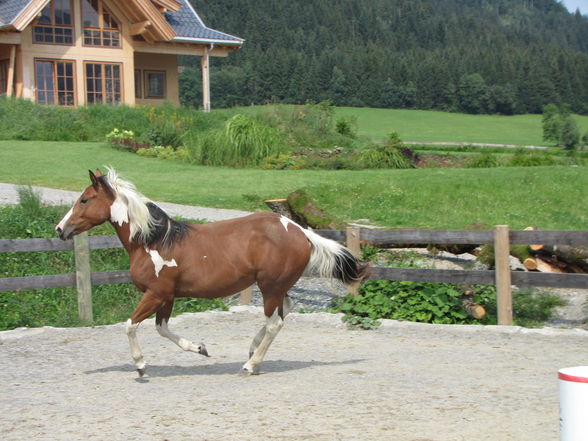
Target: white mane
{"type": "Point", "coordinates": [129, 206]}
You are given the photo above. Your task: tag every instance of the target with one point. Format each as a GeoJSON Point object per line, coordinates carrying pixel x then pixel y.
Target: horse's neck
{"type": "Point", "coordinates": [124, 234]}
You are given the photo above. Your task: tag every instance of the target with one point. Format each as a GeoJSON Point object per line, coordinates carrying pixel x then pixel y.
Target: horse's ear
{"type": "Point", "coordinates": [94, 179]}
{"type": "Point", "coordinates": [98, 173]}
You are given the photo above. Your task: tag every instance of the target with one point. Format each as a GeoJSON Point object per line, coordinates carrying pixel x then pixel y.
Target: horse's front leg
{"type": "Point", "coordinates": [149, 304]}
{"type": "Point", "coordinates": [161, 324]}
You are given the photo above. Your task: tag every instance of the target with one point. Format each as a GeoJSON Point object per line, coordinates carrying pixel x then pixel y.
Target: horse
{"type": "Point", "coordinates": [170, 259]}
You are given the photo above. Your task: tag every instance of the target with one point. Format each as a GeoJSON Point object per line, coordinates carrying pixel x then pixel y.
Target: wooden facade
{"type": "Point", "coordinates": [80, 52]}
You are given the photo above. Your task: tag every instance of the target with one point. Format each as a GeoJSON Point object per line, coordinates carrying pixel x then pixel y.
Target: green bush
{"type": "Point", "coordinates": [439, 303]}
{"type": "Point", "coordinates": [526, 158]}
{"type": "Point", "coordinates": [482, 160]}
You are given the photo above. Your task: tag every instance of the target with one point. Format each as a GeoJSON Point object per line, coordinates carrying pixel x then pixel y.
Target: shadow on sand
{"type": "Point", "coordinates": [154, 371]}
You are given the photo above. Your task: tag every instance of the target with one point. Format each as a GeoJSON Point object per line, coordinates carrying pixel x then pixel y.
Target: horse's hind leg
{"type": "Point", "coordinates": [287, 307]}
{"type": "Point", "coordinates": [265, 337]}
{"type": "Point", "coordinates": [161, 324]}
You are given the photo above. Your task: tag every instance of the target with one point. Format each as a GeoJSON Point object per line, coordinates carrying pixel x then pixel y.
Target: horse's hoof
{"type": "Point", "coordinates": [202, 350]}
{"type": "Point", "coordinates": [248, 372]}
{"type": "Point", "coordinates": [141, 372]}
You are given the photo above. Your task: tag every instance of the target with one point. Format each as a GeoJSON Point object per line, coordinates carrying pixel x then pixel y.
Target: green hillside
{"type": "Point", "coordinates": [482, 56]}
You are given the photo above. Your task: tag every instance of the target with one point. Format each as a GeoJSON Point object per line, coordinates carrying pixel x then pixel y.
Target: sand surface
{"type": "Point", "coordinates": [320, 381]}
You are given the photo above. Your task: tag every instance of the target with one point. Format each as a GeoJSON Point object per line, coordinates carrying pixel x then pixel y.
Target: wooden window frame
{"type": "Point", "coordinates": [138, 84]}
{"type": "Point", "coordinates": [56, 91]}
{"type": "Point", "coordinates": [103, 80]}
{"type": "Point", "coordinates": [52, 27]}
{"type": "Point", "coordinates": [3, 76]}
{"type": "Point", "coordinates": [101, 30]}
{"type": "Point", "coordinates": [146, 91]}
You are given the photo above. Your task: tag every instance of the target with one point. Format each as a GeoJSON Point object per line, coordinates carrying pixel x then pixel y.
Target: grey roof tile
{"type": "Point", "coordinates": [9, 10]}
{"type": "Point", "coordinates": [188, 25]}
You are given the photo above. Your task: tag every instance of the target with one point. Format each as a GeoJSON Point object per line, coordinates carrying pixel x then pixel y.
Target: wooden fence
{"type": "Point", "coordinates": [502, 277]}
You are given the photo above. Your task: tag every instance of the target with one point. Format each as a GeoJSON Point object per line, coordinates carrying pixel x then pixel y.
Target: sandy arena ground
{"type": "Point", "coordinates": [320, 381]}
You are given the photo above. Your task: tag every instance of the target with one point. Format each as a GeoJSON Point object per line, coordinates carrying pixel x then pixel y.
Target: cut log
{"type": "Point", "coordinates": [305, 210]}
{"type": "Point", "coordinates": [530, 263]}
{"type": "Point", "coordinates": [472, 309]}
{"type": "Point", "coordinates": [281, 206]}
{"type": "Point", "coordinates": [546, 267]}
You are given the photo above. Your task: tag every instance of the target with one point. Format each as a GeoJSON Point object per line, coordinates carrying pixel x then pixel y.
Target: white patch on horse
{"type": "Point", "coordinates": [61, 225]}
{"type": "Point", "coordinates": [159, 262]}
{"type": "Point", "coordinates": [285, 221]}
{"type": "Point", "coordinates": [119, 212]}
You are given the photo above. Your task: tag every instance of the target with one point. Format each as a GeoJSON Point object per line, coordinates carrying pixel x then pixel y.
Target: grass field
{"type": "Point", "coordinates": [549, 197]}
{"type": "Point", "coordinates": [432, 126]}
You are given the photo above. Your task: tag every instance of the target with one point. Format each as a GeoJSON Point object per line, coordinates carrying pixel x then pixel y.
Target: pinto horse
{"type": "Point", "coordinates": [170, 259]}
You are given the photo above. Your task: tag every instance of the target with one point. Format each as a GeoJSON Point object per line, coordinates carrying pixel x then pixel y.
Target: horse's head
{"type": "Point", "coordinates": [92, 208]}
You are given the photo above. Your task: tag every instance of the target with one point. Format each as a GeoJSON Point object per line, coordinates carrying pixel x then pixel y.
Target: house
{"type": "Point", "coordinates": [78, 52]}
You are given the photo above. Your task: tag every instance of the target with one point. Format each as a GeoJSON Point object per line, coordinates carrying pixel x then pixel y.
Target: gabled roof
{"type": "Point", "coordinates": [189, 27]}
{"type": "Point", "coordinates": [180, 22]}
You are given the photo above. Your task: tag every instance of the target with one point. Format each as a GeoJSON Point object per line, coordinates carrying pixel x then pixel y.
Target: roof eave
{"type": "Point", "coordinates": [209, 41]}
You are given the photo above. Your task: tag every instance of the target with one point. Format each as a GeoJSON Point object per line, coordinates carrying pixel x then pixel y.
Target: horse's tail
{"type": "Point", "coordinates": [331, 259]}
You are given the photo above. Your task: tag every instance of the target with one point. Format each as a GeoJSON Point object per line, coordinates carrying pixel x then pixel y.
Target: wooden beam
{"type": "Point", "coordinates": [503, 276]}
{"type": "Point", "coordinates": [10, 38]}
{"type": "Point", "coordinates": [11, 67]}
{"type": "Point", "coordinates": [205, 82]}
{"type": "Point", "coordinates": [139, 28]}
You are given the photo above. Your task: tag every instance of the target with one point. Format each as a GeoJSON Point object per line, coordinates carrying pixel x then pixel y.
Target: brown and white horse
{"type": "Point", "coordinates": [172, 259]}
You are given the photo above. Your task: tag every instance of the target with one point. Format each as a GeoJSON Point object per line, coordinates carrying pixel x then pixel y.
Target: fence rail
{"type": "Point", "coordinates": [502, 277]}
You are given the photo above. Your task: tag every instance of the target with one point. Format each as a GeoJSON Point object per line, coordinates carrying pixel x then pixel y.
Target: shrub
{"type": "Point", "coordinates": [439, 303]}
{"type": "Point", "coordinates": [482, 160]}
{"type": "Point", "coordinates": [384, 157]}
{"type": "Point", "coordinates": [526, 158]}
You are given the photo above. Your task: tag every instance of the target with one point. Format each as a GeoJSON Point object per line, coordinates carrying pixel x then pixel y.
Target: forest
{"type": "Point", "coordinates": [472, 56]}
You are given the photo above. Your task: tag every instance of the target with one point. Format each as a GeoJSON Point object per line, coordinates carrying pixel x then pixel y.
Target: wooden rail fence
{"type": "Point", "coordinates": [502, 277]}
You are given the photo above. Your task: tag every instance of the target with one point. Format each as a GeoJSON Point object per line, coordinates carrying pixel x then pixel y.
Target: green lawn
{"type": "Point", "coordinates": [549, 197]}
{"type": "Point", "coordinates": [433, 126]}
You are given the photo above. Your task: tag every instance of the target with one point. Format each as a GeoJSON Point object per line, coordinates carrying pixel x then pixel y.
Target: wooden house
{"type": "Point", "coordinates": [78, 52]}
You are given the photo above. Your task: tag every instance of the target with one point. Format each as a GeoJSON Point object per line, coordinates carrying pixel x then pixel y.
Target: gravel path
{"type": "Point", "coordinates": [402, 382]}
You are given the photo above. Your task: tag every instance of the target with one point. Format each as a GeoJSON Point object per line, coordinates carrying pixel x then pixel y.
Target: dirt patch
{"type": "Point", "coordinates": [404, 381]}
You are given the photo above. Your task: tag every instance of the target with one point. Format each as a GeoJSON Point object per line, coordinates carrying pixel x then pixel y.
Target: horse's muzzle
{"type": "Point", "coordinates": [66, 233]}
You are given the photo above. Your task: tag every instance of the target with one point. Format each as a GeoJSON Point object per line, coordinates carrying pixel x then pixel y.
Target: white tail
{"type": "Point", "coordinates": [331, 259]}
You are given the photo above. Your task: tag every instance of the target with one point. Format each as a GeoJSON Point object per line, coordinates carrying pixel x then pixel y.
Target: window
{"type": "Point", "coordinates": [3, 76]}
{"type": "Point", "coordinates": [138, 84]}
{"type": "Point", "coordinates": [54, 80]}
{"type": "Point", "coordinates": [154, 84]}
{"type": "Point", "coordinates": [100, 27]}
{"type": "Point", "coordinates": [54, 25]}
{"type": "Point", "coordinates": [103, 83]}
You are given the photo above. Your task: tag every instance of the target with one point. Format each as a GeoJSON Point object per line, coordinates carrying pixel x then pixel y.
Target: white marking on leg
{"type": "Point", "coordinates": [159, 262]}
{"type": "Point", "coordinates": [273, 325]}
{"type": "Point", "coordinates": [286, 221]}
{"type": "Point", "coordinates": [287, 308]}
{"type": "Point", "coordinates": [186, 345]}
{"type": "Point", "coordinates": [63, 222]}
{"type": "Point", "coordinates": [119, 212]}
{"type": "Point", "coordinates": [136, 353]}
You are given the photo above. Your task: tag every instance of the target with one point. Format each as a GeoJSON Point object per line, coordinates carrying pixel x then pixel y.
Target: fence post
{"type": "Point", "coordinates": [353, 234]}
{"type": "Point", "coordinates": [246, 295]}
{"type": "Point", "coordinates": [83, 277]}
{"type": "Point", "coordinates": [503, 276]}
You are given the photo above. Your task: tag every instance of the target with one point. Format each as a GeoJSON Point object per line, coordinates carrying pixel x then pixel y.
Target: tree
{"type": "Point", "coordinates": [570, 135]}
{"type": "Point", "coordinates": [472, 94]}
{"type": "Point", "coordinates": [551, 123]}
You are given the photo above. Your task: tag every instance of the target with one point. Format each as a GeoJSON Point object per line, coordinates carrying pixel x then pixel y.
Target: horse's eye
{"type": "Point", "coordinates": [83, 201]}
